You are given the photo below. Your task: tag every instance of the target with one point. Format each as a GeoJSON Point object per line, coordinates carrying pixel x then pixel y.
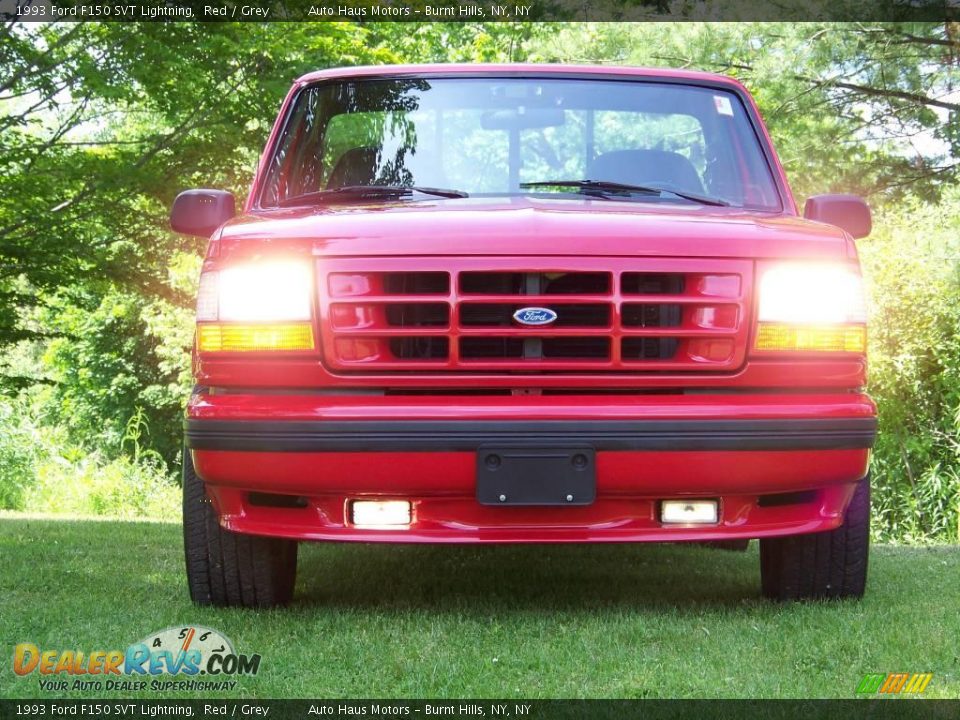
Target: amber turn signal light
{"type": "Point", "coordinates": [233, 337]}
{"type": "Point", "coordinates": [811, 338]}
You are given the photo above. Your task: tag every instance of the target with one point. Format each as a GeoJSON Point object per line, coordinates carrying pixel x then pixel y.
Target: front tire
{"type": "Point", "coordinates": [830, 564]}
{"type": "Point", "coordinates": [226, 568]}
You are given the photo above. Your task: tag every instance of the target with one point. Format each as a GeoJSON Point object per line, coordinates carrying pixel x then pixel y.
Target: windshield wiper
{"type": "Point", "coordinates": [605, 188]}
{"type": "Point", "coordinates": [353, 192]}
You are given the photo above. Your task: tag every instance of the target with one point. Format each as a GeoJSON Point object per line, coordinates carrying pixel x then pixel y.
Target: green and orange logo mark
{"type": "Point", "coordinates": [894, 683]}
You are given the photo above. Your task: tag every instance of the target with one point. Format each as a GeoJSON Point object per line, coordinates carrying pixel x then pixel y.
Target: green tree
{"type": "Point", "coordinates": [848, 104]}
{"type": "Point", "coordinates": [100, 126]}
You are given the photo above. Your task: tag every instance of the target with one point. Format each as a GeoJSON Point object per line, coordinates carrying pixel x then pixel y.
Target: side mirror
{"type": "Point", "coordinates": [845, 211]}
{"type": "Point", "coordinates": [200, 212]}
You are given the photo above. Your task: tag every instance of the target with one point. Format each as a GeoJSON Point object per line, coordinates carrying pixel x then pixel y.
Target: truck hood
{"type": "Point", "coordinates": [532, 226]}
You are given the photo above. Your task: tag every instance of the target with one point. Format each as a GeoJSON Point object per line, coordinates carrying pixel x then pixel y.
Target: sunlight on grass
{"type": "Point", "coordinates": [495, 621]}
{"type": "Point", "coordinates": [72, 517]}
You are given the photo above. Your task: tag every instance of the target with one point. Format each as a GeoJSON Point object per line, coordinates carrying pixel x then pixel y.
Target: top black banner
{"type": "Point", "coordinates": [41, 11]}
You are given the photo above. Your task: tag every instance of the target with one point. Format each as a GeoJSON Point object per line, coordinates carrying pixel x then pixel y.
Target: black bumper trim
{"type": "Point", "coordinates": [468, 435]}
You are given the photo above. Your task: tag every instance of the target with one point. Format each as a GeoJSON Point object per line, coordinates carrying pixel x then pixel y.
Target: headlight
{"type": "Point", "coordinates": [816, 307]}
{"type": "Point", "coordinates": [256, 293]}
{"type": "Point", "coordinates": [256, 307]}
{"type": "Point", "coordinates": [811, 293]}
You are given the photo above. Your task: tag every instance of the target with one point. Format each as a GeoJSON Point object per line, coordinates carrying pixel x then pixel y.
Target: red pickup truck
{"type": "Point", "coordinates": [525, 304]}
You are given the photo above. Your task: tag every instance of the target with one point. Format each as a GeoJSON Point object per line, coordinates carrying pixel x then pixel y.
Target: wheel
{"type": "Point", "coordinates": [830, 564]}
{"type": "Point", "coordinates": [226, 568]}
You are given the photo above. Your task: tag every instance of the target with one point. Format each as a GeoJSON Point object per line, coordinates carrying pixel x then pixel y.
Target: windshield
{"type": "Point", "coordinates": [490, 136]}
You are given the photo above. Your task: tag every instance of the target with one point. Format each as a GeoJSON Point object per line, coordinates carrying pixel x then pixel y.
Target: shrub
{"type": "Point", "coordinates": [41, 471]}
{"type": "Point", "coordinates": [118, 488]}
{"type": "Point", "coordinates": [118, 352]}
{"type": "Point", "coordinates": [910, 264]}
{"type": "Point", "coordinates": [18, 455]}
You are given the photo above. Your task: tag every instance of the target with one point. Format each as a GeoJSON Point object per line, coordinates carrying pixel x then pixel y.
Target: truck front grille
{"type": "Point", "coordinates": [629, 314]}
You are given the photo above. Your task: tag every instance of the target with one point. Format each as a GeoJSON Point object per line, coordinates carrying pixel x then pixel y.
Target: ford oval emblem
{"type": "Point", "coordinates": [534, 316]}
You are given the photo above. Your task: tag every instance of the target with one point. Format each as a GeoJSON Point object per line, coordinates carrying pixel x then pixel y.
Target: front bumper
{"type": "Point", "coordinates": [289, 465]}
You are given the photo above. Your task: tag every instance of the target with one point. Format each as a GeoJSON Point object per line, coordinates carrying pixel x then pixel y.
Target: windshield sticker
{"type": "Point", "coordinates": [723, 105]}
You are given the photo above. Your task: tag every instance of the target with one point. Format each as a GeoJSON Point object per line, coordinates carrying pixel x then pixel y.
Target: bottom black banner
{"type": "Point", "coordinates": [886, 709]}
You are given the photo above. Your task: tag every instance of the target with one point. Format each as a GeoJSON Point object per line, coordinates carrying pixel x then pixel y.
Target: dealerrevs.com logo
{"type": "Point", "coordinates": [182, 653]}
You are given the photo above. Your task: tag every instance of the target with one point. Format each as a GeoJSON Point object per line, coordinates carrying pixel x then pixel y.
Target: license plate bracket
{"type": "Point", "coordinates": [527, 476]}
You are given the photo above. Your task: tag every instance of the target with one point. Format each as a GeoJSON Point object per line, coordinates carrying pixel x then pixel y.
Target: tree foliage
{"type": "Point", "coordinates": [868, 108]}
{"type": "Point", "coordinates": [102, 124]}
{"type": "Point", "coordinates": [911, 265]}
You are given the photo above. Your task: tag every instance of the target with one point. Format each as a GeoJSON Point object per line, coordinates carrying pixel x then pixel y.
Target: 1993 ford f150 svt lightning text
{"type": "Point", "coordinates": [520, 303]}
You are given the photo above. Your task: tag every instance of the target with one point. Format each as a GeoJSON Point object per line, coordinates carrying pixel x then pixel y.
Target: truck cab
{"type": "Point", "coordinates": [525, 304]}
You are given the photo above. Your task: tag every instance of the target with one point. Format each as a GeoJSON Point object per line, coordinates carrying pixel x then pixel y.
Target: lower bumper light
{"type": "Point", "coordinates": [689, 512]}
{"type": "Point", "coordinates": [380, 514]}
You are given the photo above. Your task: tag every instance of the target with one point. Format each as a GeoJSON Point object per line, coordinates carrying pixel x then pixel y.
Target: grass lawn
{"type": "Point", "coordinates": [522, 621]}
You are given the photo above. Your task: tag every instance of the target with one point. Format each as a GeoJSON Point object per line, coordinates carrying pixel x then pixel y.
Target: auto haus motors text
{"type": "Point", "coordinates": [168, 653]}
